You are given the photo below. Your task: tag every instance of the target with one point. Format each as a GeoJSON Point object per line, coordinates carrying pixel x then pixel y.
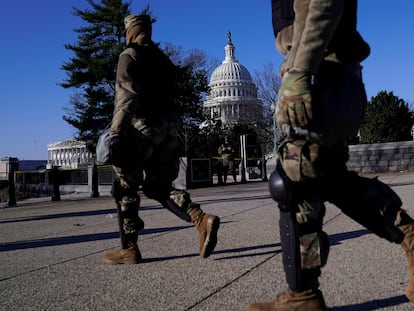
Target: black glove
{"type": "Point", "coordinates": [116, 150]}
{"type": "Point", "coordinates": [126, 151]}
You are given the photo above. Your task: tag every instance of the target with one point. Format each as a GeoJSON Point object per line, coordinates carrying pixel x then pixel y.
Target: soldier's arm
{"type": "Point", "coordinates": [126, 95]}
{"type": "Point", "coordinates": [314, 24]}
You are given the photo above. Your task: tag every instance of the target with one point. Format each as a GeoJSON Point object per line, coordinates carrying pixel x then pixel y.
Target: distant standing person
{"type": "Point", "coordinates": [143, 142]}
{"type": "Point", "coordinates": [226, 165]}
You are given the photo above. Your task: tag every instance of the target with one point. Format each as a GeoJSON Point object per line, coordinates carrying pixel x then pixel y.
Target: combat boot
{"type": "Point", "coordinates": [207, 226]}
{"type": "Point", "coordinates": [308, 300]}
{"type": "Point", "coordinates": [408, 246]}
{"type": "Point", "coordinates": [130, 255]}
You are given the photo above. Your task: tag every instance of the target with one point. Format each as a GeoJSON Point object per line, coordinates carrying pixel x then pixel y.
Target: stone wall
{"type": "Point", "coordinates": [384, 157]}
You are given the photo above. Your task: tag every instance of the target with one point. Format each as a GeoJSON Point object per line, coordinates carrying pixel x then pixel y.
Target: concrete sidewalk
{"type": "Point", "coordinates": [51, 256]}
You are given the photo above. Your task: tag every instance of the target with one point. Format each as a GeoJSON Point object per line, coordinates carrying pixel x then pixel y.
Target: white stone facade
{"type": "Point", "coordinates": [233, 95]}
{"type": "Point", "coordinates": [69, 153]}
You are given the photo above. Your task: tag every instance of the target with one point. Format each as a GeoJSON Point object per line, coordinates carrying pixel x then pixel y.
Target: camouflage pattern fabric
{"type": "Point", "coordinates": [227, 161]}
{"type": "Point", "coordinates": [181, 198]}
{"type": "Point", "coordinates": [310, 251]}
{"type": "Point", "coordinates": [299, 159]}
{"type": "Point", "coordinates": [129, 210]}
{"type": "Point", "coordinates": [226, 152]}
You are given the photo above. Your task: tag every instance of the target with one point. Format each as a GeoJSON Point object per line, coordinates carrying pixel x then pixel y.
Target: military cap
{"type": "Point", "coordinates": [137, 19]}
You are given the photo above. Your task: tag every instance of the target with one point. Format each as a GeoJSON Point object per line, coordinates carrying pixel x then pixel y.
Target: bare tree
{"type": "Point", "coordinates": [268, 83]}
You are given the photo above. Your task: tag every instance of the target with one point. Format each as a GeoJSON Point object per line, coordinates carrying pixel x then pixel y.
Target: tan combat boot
{"type": "Point", "coordinates": [207, 226]}
{"type": "Point", "coordinates": [308, 300]}
{"type": "Point", "coordinates": [130, 255]}
{"type": "Point", "coordinates": [408, 246]}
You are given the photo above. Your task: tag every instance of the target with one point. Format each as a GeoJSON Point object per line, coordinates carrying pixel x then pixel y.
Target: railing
{"type": "Point", "coordinates": [44, 183]}
{"type": "Point", "coordinates": [57, 181]}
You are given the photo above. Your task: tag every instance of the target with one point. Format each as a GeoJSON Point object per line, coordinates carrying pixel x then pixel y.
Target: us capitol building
{"type": "Point", "coordinates": [233, 95]}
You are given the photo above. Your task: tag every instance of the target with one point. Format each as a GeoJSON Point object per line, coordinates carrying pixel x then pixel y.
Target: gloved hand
{"type": "Point", "coordinates": [116, 149]}
{"type": "Point", "coordinates": [294, 104]}
{"type": "Point", "coordinates": [130, 150]}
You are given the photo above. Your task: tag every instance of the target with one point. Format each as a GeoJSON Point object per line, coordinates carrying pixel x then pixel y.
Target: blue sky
{"type": "Point", "coordinates": [33, 34]}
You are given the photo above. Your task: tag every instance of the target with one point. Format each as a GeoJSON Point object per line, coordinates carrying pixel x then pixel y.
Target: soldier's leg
{"type": "Point", "coordinates": [233, 171]}
{"type": "Point", "coordinates": [377, 207]}
{"type": "Point", "coordinates": [127, 200]}
{"type": "Point", "coordinates": [305, 246]}
{"type": "Point", "coordinates": [370, 202]}
{"type": "Point", "coordinates": [219, 172]}
{"type": "Point", "coordinates": [225, 173]}
{"type": "Point", "coordinates": [295, 186]}
{"type": "Point", "coordinates": [179, 203]}
{"type": "Point", "coordinates": [127, 203]}
{"type": "Point", "coordinates": [160, 172]}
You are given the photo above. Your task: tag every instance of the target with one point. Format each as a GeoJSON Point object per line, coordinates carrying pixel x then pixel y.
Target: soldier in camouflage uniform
{"type": "Point", "coordinates": [226, 153]}
{"type": "Point", "coordinates": [321, 103]}
{"type": "Point", "coordinates": [143, 142]}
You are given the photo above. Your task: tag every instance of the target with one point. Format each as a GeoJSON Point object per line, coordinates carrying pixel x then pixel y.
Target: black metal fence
{"type": "Point", "coordinates": [106, 175]}
{"type": "Point", "coordinates": [44, 183]}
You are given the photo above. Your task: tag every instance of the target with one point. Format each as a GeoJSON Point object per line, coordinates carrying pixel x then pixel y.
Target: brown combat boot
{"type": "Point", "coordinates": [308, 300]}
{"type": "Point", "coordinates": [130, 255]}
{"type": "Point", "coordinates": [207, 226]}
{"type": "Point", "coordinates": [408, 246]}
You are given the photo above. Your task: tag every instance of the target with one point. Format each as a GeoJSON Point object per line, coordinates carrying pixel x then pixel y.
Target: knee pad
{"type": "Point", "coordinates": [280, 188]}
{"type": "Point", "coordinates": [302, 198]}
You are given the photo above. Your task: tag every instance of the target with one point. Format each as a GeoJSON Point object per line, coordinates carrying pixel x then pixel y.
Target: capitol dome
{"type": "Point", "coordinates": [230, 69]}
{"type": "Point", "coordinates": [233, 95]}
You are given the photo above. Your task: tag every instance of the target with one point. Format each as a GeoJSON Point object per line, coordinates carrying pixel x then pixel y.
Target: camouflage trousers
{"type": "Point", "coordinates": [313, 155]}
{"type": "Point", "coordinates": [152, 164]}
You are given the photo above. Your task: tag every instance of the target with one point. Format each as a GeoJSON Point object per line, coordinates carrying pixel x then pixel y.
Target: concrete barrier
{"type": "Point", "coordinates": [382, 157]}
{"type": "Point", "coordinates": [375, 158]}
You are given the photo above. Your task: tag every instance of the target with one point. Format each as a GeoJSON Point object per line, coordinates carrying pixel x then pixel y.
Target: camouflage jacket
{"type": "Point", "coordinates": [144, 87]}
{"type": "Point", "coordinates": [322, 29]}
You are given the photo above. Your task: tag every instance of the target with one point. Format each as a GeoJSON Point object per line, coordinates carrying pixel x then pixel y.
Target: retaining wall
{"type": "Point", "coordinates": [384, 157]}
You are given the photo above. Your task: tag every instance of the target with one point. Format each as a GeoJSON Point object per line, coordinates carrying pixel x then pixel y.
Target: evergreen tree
{"type": "Point", "coordinates": [192, 84]}
{"type": "Point", "coordinates": [388, 119]}
{"type": "Point", "coordinates": [91, 71]}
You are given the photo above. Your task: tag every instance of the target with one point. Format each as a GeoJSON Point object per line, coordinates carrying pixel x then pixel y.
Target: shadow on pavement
{"type": "Point", "coordinates": [77, 239]}
{"type": "Point", "coordinates": [373, 305]}
{"type": "Point", "coordinates": [337, 238]}
{"type": "Point", "coordinates": [60, 215]}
